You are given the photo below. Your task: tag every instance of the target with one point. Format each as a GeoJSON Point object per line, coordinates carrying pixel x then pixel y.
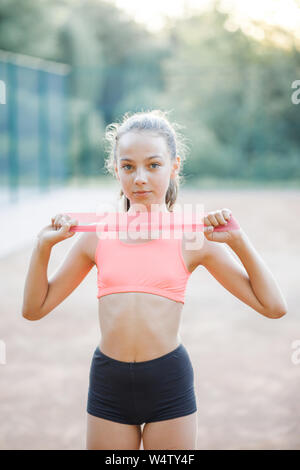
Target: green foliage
{"type": "Point", "coordinates": [235, 96]}
{"type": "Point", "coordinates": [231, 92]}
{"type": "Point", "coordinates": [24, 23]}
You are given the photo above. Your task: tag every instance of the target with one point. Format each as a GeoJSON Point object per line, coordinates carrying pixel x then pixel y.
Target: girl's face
{"type": "Point", "coordinates": [144, 164]}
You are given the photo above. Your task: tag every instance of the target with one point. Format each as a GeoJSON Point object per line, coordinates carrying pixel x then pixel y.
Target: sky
{"type": "Point", "coordinates": [285, 13]}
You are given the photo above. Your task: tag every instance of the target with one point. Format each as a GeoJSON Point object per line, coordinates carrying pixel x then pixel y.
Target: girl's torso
{"type": "Point", "coordinates": [138, 326]}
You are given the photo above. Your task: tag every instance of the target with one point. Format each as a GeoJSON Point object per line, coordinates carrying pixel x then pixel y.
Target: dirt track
{"type": "Point", "coordinates": [247, 386]}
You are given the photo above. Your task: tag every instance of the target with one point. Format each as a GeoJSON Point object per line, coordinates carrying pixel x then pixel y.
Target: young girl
{"type": "Point", "coordinates": [141, 373]}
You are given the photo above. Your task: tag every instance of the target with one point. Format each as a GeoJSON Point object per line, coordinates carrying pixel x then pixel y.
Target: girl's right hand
{"type": "Point", "coordinates": [58, 230]}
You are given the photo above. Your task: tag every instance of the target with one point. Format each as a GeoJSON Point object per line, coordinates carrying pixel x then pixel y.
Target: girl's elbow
{"type": "Point", "coordinates": [281, 309]}
{"type": "Point", "coordinates": [275, 312]}
{"type": "Point", "coordinates": [31, 316]}
{"type": "Point", "coordinates": [278, 313]}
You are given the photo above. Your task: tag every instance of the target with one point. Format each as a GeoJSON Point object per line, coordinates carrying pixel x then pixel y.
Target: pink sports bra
{"type": "Point", "coordinates": [155, 267]}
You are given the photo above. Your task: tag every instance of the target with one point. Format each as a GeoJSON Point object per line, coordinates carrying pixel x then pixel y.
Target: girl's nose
{"type": "Point", "coordinates": [140, 177]}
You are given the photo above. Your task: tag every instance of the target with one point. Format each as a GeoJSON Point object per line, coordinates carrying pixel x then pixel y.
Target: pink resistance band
{"type": "Point", "coordinates": [119, 221]}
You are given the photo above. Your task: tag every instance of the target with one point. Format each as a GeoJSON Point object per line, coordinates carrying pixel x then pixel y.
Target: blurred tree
{"type": "Point", "coordinates": [234, 93]}
{"type": "Point", "coordinates": [80, 48]}
{"type": "Point", "coordinates": [132, 56]}
{"type": "Point", "coordinates": [231, 91]}
{"type": "Point", "coordinates": [28, 27]}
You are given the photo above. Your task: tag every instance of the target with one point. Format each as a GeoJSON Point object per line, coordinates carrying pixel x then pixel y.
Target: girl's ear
{"type": "Point", "coordinates": [175, 167]}
{"type": "Point", "coordinates": [116, 172]}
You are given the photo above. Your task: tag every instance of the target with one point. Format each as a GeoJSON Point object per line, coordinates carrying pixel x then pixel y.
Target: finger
{"type": "Point", "coordinates": [56, 221]}
{"type": "Point", "coordinates": [53, 221]}
{"type": "Point", "coordinates": [209, 232]}
{"type": "Point", "coordinates": [67, 217]}
{"type": "Point", "coordinates": [226, 213]}
{"type": "Point", "coordinates": [213, 220]}
{"type": "Point", "coordinates": [58, 224]}
{"type": "Point", "coordinates": [61, 220]}
{"type": "Point", "coordinates": [220, 218]}
{"type": "Point", "coordinates": [65, 227]}
{"type": "Point", "coordinates": [206, 221]}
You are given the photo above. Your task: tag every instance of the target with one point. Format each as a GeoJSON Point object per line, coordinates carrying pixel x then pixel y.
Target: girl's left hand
{"type": "Point", "coordinates": [220, 218]}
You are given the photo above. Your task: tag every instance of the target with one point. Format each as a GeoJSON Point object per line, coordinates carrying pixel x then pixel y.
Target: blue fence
{"type": "Point", "coordinates": [34, 123]}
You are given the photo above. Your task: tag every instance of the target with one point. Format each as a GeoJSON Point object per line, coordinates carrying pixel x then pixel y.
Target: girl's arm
{"type": "Point", "coordinates": [36, 284]}
{"type": "Point", "coordinates": [261, 278]}
{"type": "Point", "coordinates": [40, 295]}
{"type": "Point", "coordinates": [255, 285]}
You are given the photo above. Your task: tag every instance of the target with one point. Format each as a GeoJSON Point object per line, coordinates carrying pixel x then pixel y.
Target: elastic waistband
{"type": "Point", "coordinates": [139, 363]}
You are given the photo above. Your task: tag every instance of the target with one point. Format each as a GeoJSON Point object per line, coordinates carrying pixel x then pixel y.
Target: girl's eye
{"type": "Point", "coordinates": [124, 166]}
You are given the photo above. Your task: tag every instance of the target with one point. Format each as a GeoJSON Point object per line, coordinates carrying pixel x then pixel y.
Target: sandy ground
{"type": "Point", "coordinates": [247, 384]}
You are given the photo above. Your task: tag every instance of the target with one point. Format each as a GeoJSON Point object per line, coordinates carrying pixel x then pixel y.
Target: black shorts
{"type": "Point", "coordinates": [141, 392]}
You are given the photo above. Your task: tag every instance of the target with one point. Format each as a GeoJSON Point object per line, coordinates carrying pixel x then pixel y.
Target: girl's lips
{"type": "Point", "coordinates": [142, 193]}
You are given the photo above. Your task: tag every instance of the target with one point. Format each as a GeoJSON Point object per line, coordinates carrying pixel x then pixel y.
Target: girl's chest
{"type": "Point", "coordinates": [191, 249]}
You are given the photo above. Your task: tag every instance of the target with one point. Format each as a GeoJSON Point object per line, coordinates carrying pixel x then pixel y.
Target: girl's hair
{"type": "Point", "coordinates": [155, 121]}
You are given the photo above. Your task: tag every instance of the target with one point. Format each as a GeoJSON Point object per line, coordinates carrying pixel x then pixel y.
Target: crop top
{"type": "Point", "coordinates": [155, 267]}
